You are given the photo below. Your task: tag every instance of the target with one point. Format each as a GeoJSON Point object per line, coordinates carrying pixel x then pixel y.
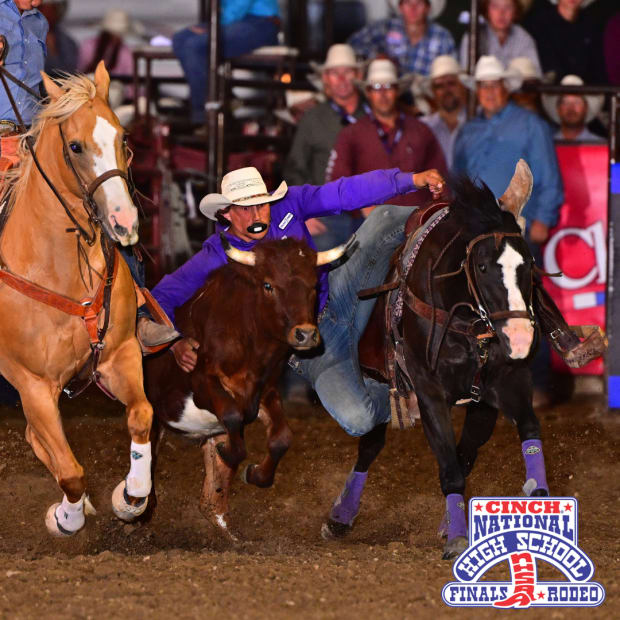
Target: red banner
{"type": "Point", "coordinates": [577, 246]}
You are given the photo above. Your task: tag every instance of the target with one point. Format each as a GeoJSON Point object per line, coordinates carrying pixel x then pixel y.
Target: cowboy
{"type": "Point", "coordinates": [449, 96]}
{"type": "Point", "coordinates": [386, 137]}
{"type": "Point", "coordinates": [487, 148]}
{"type": "Point", "coordinates": [24, 29]}
{"type": "Point", "coordinates": [246, 213]}
{"type": "Point", "coordinates": [317, 132]}
{"type": "Point", "coordinates": [573, 112]}
{"type": "Point", "coordinates": [527, 97]}
{"type": "Point", "coordinates": [411, 38]}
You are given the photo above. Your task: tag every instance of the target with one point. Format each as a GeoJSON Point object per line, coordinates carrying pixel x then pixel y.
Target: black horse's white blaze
{"type": "Point", "coordinates": [520, 332]}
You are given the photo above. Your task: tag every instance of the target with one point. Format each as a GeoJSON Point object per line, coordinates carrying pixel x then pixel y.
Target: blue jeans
{"type": "Point", "coordinates": [358, 404]}
{"type": "Point", "coordinates": [237, 38]}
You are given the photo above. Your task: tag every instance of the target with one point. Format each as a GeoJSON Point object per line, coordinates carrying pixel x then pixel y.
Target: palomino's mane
{"type": "Point", "coordinates": [77, 90]}
{"type": "Point", "coordinates": [475, 207]}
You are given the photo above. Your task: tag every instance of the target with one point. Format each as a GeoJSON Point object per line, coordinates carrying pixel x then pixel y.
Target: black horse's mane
{"type": "Point", "coordinates": [474, 206]}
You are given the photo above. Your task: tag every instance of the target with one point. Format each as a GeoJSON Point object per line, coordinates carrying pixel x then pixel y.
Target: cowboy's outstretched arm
{"type": "Point", "coordinates": [361, 190]}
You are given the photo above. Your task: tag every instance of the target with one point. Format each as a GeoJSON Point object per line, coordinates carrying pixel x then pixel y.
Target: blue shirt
{"type": "Point", "coordinates": [288, 217]}
{"type": "Point", "coordinates": [25, 33]}
{"type": "Point", "coordinates": [234, 10]}
{"type": "Point", "coordinates": [489, 149]}
{"type": "Point", "coordinates": [389, 36]}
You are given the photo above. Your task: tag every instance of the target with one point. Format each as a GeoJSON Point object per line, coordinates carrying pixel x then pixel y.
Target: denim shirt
{"type": "Point", "coordinates": [234, 10]}
{"type": "Point", "coordinates": [488, 149]}
{"type": "Point", "coordinates": [288, 217]}
{"type": "Point", "coordinates": [25, 33]}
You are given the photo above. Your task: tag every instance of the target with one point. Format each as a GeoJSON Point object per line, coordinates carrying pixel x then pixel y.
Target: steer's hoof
{"type": "Point", "coordinates": [332, 529]}
{"type": "Point", "coordinates": [454, 547]}
{"type": "Point", "coordinates": [122, 506]}
{"type": "Point", "coordinates": [54, 528]}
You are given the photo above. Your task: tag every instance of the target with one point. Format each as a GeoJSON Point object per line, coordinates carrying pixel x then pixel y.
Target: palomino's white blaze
{"type": "Point", "coordinates": [197, 422]}
{"type": "Point", "coordinates": [120, 205]}
{"type": "Point", "coordinates": [519, 332]}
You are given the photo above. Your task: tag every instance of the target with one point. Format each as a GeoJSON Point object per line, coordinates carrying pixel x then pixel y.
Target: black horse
{"type": "Point", "coordinates": [466, 331]}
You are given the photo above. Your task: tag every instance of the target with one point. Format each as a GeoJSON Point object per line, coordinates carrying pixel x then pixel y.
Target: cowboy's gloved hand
{"type": "Point", "coordinates": [184, 352]}
{"type": "Point", "coordinates": [431, 179]}
{"type": "Point", "coordinates": [539, 231]}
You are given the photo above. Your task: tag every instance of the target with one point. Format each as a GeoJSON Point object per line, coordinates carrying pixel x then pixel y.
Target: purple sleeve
{"type": "Point", "coordinates": [350, 193]}
{"type": "Point", "coordinates": [176, 288]}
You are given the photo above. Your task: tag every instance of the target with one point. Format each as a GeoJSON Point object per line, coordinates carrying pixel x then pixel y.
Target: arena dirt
{"type": "Point", "coordinates": [177, 566]}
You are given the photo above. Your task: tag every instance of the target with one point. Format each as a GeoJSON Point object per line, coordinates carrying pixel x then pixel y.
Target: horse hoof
{"type": "Point", "coordinates": [454, 547]}
{"type": "Point", "coordinates": [54, 528]}
{"type": "Point", "coordinates": [331, 530]}
{"type": "Point", "coordinates": [221, 524]}
{"type": "Point", "coordinates": [245, 475]}
{"type": "Point", "coordinates": [122, 507]}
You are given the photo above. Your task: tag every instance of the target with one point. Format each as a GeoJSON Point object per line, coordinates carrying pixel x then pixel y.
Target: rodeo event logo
{"type": "Point", "coordinates": [521, 531]}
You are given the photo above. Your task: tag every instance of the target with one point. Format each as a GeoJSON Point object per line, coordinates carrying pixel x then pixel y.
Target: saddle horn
{"type": "Point", "coordinates": [519, 191]}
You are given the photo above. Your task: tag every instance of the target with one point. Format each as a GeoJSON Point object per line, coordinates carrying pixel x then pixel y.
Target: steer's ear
{"type": "Point", "coordinates": [519, 191]}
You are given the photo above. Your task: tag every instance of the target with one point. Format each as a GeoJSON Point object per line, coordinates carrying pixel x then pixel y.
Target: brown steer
{"type": "Point", "coordinates": [247, 317]}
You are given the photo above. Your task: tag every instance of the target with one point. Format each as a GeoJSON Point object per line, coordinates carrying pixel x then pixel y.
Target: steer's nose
{"type": "Point", "coordinates": [304, 336]}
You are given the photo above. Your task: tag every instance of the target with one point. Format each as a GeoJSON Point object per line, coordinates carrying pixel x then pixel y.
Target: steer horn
{"type": "Point", "coordinates": [329, 256]}
{"type": "Point", "coordinates": [239, 256]}
{"type": "Point", "coordinates": [519, 191]}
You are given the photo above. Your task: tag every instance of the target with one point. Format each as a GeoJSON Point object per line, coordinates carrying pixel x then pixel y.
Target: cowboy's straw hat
{"type": "Point", "coordinates": [382, 71]}
{"type": "Point", "coordinates": [437, 7]}
{"type": "Point", "coordinates": [583, 5]}
{"type": "Point", "coordinates": [594, 102]}
{"type": "Point", "coordinates": [243, 187]}
{"type": "Point", "coordinates": [489, 68]}
{"type": "Point", "coordinates": [441, 66]}
{"type": "Point", "coordinates": [338, 55]}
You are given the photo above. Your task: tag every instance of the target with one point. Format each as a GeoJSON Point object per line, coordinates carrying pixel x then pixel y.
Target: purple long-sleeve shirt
{"type": "Point", "coordinates": [288, 217]}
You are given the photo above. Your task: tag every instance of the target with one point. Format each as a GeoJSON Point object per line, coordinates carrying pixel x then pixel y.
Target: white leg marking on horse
{"type": "Point", "coordinates": [139, 476]}
{"type": "Point", "coordinates": [519, 332]}
{"type": "Point", "coordinates": [197, 422]}
{"type": "Point", "coordinates": [115, 189]}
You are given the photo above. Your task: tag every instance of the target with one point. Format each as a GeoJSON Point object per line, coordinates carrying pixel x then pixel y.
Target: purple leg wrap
{"type": "Point", "coordinates": [347, 504]}
{"type": "Point", "coordinates": [455, 516]}
{"type": "Point", "coordinates": [535, 477]}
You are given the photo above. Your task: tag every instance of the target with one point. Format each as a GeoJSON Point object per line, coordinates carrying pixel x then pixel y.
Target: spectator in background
{"type": "Point", "coordinates": [573, 112]}
{"type": "Point", "coordinates": [385, 138]}
{"type": "Point", "coordinates": [109, 46]}
{"type": "Point", "coordinates": [488, 148]}
{"type": "Point", "coordinates": [62, 50]}
{"type": "Point", "coordinates": [245, 26]}
{"type": "Point", "coordinates": [500, 36]}
{"type": "Point", "coordinates": [611, 42]}
{"type": "Point", "coordinates": [411, 38]}
{"type": "Point", "coordinates": [531, 76]}
{"type": "Point", "coordinates": [317, 132]}
{"type": "Point", "coordinates": [449, 98]}
{"type": "Point", "coordinates": [568, 40]}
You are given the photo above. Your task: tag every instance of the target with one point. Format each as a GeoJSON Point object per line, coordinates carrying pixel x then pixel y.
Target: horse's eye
{"type": "Point", "coordinates": [76, 147]}
{"type": "Point", "coordinates": [268, 287]}
{"type": "Point", "coordinates": [482, 268]}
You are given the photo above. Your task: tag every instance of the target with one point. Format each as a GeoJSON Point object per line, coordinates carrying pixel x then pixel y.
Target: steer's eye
{"type": "Point", "coordinates": [268, 287]}
{"type": "Point", "coordinates": [482, 268]}
{"type": "Point", "coordinates": [76, 147]}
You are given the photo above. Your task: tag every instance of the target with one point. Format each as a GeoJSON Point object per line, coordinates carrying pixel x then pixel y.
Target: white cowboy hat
{"type": "Point", "coordinates": [382, 71]}
{"type": "Point", "coordinates": [118, 22]}
{"type": "Point", "coordinates": [441, 66]}
{"type": "Point", "coordinates": [584, 3]}
{"type": "Point", "coordinates": [437, 7]}
{"type": "Point", "coordinates": [338, 55]}
{"type": "Point", "coordinates": [525, 66]}
{"type": "Point", "coordinates": [244, 187]}
{"type": "Point", "coordinates": [594, 102]}
{"type": "Point", "coordinates": [489, 68]}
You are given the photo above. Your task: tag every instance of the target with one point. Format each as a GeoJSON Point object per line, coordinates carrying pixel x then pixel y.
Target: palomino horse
{"type": "Point", "coordinates": [462, 327]}
{"type": "Point", "coordinates": [44, 282]}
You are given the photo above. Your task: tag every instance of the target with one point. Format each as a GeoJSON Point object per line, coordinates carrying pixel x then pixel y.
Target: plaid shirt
{"type": "Point", "coordinates": [389, 37]}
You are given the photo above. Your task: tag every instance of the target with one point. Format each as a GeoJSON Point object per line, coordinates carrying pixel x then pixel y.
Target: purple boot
{"type": "Point", "coordinates": [535, 477]}
{"type": "Point", "coordinates": [345, 507]}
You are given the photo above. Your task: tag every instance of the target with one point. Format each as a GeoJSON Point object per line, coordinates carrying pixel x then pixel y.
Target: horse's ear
{"type": "Point", "coordinates": [53, 90]}
{"type": "Point", "coordinates": [102, 80]}
{"type": "Point", "coordinates": [519, 191]}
